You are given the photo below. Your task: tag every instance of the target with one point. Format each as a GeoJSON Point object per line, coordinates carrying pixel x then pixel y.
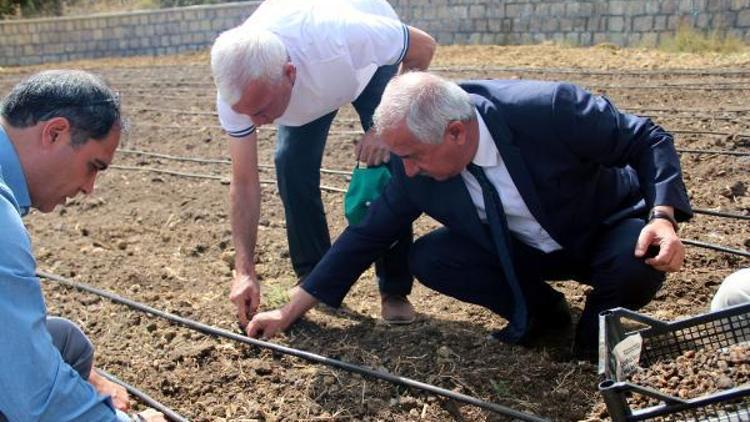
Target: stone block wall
{"type": "Point", "coordinates": [152, 32]}
{"type": "Point", "coordinates": [578, 22]}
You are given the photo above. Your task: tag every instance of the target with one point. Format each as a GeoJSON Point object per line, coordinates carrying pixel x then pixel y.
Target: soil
{"type": "Point", "coordinates": [695, 373]}
{"type": "Point", "coordinates": [165, 240]}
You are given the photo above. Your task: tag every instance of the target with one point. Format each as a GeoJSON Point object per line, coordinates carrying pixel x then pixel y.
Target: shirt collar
{"type": "Point", "coordinates": [487, 154]}
{"type": "Point", "coordinates": [12, 173]}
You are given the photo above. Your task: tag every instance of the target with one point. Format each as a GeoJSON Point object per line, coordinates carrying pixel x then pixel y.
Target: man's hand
{"type": "Point", "coordinates": [371, 150]}
{"type": "Point", "coordinates": [245, 295]}
{"type": "Point", "coordinates": [659, 232]}
{"type": "Point", "coordinates": [116, 392]}
{"type": "Point", "coordinates": [267, 324]}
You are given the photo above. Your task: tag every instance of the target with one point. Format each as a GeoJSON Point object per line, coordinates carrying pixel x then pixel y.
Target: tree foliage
{"type": "Point", "coordinates": [30, 8]}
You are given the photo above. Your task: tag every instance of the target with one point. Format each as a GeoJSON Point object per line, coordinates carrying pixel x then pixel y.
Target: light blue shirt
{"type": "Point", "coordinates": [35, 383]}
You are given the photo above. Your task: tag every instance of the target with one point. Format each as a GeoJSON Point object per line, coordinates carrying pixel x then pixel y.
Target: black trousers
{"type": "Point", "coordinates": [459, 267]}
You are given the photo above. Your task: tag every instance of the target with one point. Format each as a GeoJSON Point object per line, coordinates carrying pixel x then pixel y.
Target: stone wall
{"type": "Point", "coordinates": [152, 32]}
{"type": "Point", "coordinates": [579, 22]}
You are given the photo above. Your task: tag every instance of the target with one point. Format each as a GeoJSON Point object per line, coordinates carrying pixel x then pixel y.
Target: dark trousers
{"type": "Point", "coordinates": [75, 348]}
{"type": "Point", "coordinates": [459, 267]}
{"type": "Point", "coordinates": [299, 154]}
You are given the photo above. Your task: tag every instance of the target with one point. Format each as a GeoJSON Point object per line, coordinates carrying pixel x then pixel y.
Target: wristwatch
{"type": "Point", "coordinates": [654, 214]}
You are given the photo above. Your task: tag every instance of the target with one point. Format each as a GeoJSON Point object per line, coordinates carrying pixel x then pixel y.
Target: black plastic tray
{"type": "Point", "coordinates": [667, 340]}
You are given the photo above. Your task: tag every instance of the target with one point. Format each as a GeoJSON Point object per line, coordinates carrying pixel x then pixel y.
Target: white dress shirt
{"type": "Point", "coordinates": [521, 222]}
{"type": "Point", "coordinates": [336, 47]}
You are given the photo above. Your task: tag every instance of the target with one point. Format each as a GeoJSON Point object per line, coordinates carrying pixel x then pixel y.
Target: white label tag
{"type": "Point", "coordinates": [627, 355]}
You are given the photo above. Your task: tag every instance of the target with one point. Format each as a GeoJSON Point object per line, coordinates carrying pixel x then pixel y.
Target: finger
{"type": "Point", "coordinates": [254, 301]}
{"type": "Point", "coordinates": [253, 329]}
{"type": "Point", "coordinates": [644, 240]}
{"type": "Point", "coordinates": [358, 150]}
{"type": "Point", "coordinates": [242, 312]}
{"type": "Point", "coordinates": [387, 157]}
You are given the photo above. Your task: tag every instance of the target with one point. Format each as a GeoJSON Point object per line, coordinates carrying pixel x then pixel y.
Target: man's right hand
{"type": "Point", "coordinates": [245, 295]}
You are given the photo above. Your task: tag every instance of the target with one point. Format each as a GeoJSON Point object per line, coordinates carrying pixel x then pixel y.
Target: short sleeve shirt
{"type": "Point", "coordinates": [336, 47]}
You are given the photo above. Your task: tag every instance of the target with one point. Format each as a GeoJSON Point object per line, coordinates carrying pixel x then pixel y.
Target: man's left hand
{"type": "Point", "coordinates": [372, 150]}
{"type": "Point", "coordinates": [267, 324]}
{"type": "Point", "coordinates": [105, 387]}
{"type": "Point", "coordinates": [660, 232]}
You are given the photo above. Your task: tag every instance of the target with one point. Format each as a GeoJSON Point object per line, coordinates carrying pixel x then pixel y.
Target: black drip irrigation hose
{"type": "Point", "coordinates": [719, 248]}
{"type": "Point", "coordinates": [312, 357]}
{"type": "Point", "coordinates": [720, 214]}
{"type": "Point", "coordinates": [212, 160]}
{"type": "Point", "coordinates": [713, 152]}
{"type": "Point", "coordinates": [143, 397]}
{"type": "Point", "coordinates": [222, 179]}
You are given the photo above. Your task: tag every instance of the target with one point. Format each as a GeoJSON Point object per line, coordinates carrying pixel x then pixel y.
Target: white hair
{"type": "Point", "coordinates": [242, 55]}
{"type": "Point", "coordinates": [427, 102]}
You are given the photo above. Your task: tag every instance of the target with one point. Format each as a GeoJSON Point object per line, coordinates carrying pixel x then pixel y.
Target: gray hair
{"type": "Point", "coordinates": [85, 100]}
{"type": "Point", "coordinates": [242, 55]}
{"type": "Point", "coordinates": [427, 102]}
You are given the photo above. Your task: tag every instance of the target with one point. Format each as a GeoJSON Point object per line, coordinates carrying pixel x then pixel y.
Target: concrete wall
{"type": "Point", "coordinates": [580, 22]}
{"type": "Point", "coordinates": [165, 31]}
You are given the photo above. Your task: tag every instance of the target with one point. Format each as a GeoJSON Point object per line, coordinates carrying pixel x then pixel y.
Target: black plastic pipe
{"type": "Point", "coordinates": [312, 357]}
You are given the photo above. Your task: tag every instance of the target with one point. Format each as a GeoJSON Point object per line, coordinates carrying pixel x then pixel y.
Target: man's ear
{"type": "Point", "coordinates": [290, 71]}
{"type": "Point", "coordinates": [53, 131]}
{"type": "Point", "coordinates": [456, 132]}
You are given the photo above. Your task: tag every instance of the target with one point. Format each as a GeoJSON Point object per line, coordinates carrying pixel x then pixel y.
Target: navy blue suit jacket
{"type": "Point", "coordinates": [578, 163]}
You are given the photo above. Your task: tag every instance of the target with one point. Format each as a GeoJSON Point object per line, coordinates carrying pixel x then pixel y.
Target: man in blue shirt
{"type": "Point", "coordinates": [58, 129]}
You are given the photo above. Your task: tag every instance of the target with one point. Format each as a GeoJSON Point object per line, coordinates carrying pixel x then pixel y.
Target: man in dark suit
{"type": "Point", "coordinates": [532, 181]}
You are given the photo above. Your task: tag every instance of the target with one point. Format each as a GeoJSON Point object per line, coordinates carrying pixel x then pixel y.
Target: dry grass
{"type": "Point", "coordinates": [689, 40]}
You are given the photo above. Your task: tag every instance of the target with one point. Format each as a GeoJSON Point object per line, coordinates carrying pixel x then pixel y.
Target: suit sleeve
{"type": "Point", "coordinates": [595, 130]}
{"type": "Point", "coordinates": [360, 245]}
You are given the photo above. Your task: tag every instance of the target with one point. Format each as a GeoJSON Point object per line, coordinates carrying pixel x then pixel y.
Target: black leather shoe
{"type": "Point", "coordinates": [549, 320]}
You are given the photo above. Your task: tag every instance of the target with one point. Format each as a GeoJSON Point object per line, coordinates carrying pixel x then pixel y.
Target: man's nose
{"type": "Point", "coordinates": [88, 187]}
{"type": "Point", "coordinates": [410, 168]}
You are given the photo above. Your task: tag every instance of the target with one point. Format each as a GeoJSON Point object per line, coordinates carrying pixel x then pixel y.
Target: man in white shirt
{"type": "Point", "coordinates": [295, 63]}
{"type": "Point", "coordinates": [533, 181]}
{"type": "Point", "coordinates": [734, 290]}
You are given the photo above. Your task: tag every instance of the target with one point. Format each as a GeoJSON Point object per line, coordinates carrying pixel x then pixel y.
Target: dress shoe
{"type": "Point", "coordinates": [396, 309]}
{"type": "Point", "coordinates": [548, 320]}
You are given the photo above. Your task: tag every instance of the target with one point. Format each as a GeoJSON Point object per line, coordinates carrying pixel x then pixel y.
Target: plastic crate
{"type": "Point", "coordinates": [667, 340]}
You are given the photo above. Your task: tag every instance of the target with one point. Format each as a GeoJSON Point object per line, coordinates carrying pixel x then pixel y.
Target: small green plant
{"type": "Point", "coordinates": [275, 295]}
{"type": "Point", "coordinates": [689, 40]}
{"type": "Point", "coordinates": [500, 387]}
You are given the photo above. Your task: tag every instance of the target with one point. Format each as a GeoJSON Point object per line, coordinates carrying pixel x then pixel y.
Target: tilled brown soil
{"type": "Point", "coordinates": [165, 240]}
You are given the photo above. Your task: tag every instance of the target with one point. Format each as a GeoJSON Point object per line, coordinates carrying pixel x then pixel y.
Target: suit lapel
{"type": "Point", "coordinates": [512, 157]}
{"type": "Point", "coordinates": [449, 202]}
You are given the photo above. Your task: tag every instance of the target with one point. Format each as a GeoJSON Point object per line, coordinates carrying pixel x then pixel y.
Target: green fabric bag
{"type": "Point", "coordinates": [365, 187]}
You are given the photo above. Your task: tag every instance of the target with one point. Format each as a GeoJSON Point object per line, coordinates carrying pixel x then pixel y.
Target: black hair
{"type": "Point", "coordinates": [85, 100]}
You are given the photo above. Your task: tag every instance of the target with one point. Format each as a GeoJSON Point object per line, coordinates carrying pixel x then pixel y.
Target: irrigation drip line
{"type": "Point", "coordinates": [664, 113]}
{"type": "Point", "coordinates": [312, 357]}
{"type": "Point", "coordinates": [709, 132]}
{"type": "Point", "coordinates": [214, 161]}
{"type": "Point", "coordinates": [720, 214]}
{"type": "Point", "coordinates": [345, 173]}
{"type": "Point", "coordinates": [223, 180]}
{"type": "Point", "coordinates": [714, 152]}
{"type": "Point", "coordinates": [143, 397]}
{"type": "Point", "coordinates": [667, 72]}
{"type": "Point", "coordinates": [348, 173]}
{"type": "Point", "coordinates": [270, 128]}
{"type": "Point", "coordinates": [357, 132]}
{"type": "Point", "coordinates": [719, 248]}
